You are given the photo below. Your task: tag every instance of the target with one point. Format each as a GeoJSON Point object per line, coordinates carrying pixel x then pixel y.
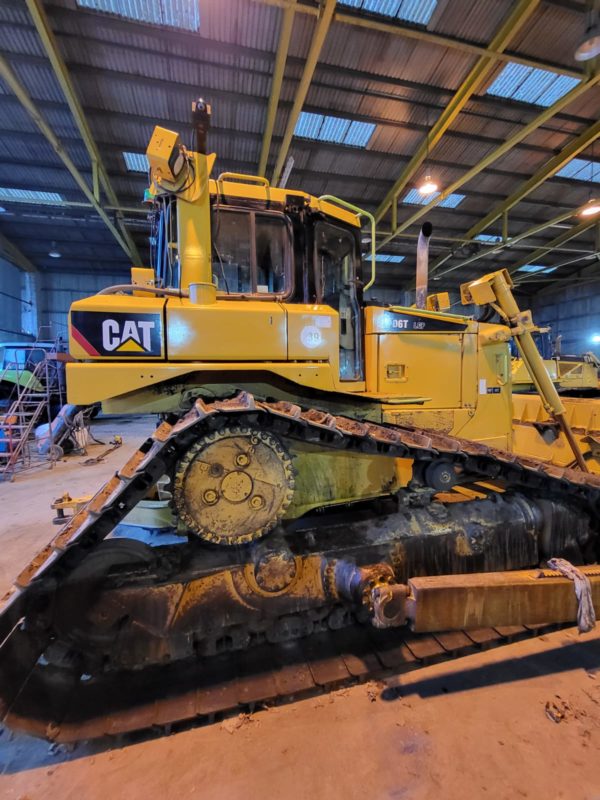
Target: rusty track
{"type": "Point", "coordinates": [189, 692]}
{"type": "Point", "coordinates": [25, 612]}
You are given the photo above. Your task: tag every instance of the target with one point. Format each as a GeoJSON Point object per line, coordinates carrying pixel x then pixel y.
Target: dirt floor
{"type": "Point", "coordinates": [518, 721]}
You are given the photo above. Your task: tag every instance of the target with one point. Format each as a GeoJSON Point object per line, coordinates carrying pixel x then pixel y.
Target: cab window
{"type": "Point", "coordinates": [251, 253]}
{"type": "Point", "coordinates": [335, 261]}
{"type": "Point", "coordinates": [231, 260]}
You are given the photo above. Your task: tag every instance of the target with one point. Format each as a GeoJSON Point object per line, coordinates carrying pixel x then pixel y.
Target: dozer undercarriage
{"type": "Point", "coordinates": [97, 623]}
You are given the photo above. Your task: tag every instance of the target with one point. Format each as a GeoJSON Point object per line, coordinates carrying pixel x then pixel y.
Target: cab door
{"type": "Point", "coordinates": [337, 263]}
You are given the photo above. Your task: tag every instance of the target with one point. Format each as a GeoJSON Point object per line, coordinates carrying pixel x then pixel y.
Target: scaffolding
{"type": "Point", "coordinates": [38, 380]}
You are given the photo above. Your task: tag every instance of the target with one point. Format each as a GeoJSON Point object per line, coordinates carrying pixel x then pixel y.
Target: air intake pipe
{"type": "Point", "coordinates": [423, 264]}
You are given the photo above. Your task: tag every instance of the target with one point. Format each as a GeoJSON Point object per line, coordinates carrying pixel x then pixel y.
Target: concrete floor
{"type": "Point", "coordinates": [474, 728]}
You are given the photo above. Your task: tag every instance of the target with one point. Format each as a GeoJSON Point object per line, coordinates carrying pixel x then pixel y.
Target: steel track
{"type": "Point", "coordinates": [240, 681]}
{"type": "Point", "coordinates": [25, 611]}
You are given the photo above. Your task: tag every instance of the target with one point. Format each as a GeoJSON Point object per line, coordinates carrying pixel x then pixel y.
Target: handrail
{"type": "Point", "coordinates": [361, 213]}
{"type": "Point", "coordinates": [239, 176]}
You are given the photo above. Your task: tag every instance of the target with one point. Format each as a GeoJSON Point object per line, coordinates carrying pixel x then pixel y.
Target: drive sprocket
{"type": "Point", "coordinates": [233, 485]}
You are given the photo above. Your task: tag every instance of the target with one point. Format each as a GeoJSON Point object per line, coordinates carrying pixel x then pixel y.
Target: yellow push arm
{"type": "Point", "coordinates": [496, 289]}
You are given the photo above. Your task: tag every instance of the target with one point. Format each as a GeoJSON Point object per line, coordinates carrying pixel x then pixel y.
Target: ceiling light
{"type": "Point", "coordinates": [428, 186]}
{"type": "Point", "coordinates": [590, 208]}
{"type": "Point", "coordinates": [589, 46]}
{"type": "Point", "coordinates": [53, 252]}
{"type": "Point", "coordinates": [596, 338]}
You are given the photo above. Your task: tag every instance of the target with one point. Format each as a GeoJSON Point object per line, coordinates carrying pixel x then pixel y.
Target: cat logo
{"type": "Point", "coordinates": [117, 334]}
{"type": "Point", "coordinates": [133, 337]}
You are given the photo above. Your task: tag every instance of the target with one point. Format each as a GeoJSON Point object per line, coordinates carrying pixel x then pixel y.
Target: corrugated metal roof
{"type": "Point", "coordinates": [174, 14]}
{"type": "Point", "coordinates": [416, 11]}
{"type": "Point", "coordinates": [383, 87]}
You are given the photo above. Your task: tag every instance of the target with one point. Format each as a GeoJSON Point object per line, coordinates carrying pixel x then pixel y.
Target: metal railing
{"type": "Point", "coordinates": [37, 387]}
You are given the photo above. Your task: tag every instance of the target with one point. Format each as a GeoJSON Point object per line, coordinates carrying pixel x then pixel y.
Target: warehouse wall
{"type": "Point", "coordinates": [17, 315]}
{"type": "Point", "coordinates": [60, 289]}
{"type": "Point", "coordinates": [574, 312]}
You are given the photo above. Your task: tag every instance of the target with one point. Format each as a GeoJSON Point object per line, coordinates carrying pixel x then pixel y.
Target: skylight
{"type": "Point", "coordinates": [136, 162]}
{"type": "Point", "coordinates": [417, 11]}
{"type": "Point", "coordinates": [172, 13]}
{"type": "Point", "coordinates": [535, 268]}
{"type": "Point", "coordinates": [415, 198]}
{"type": "Point", "coordinates": [531, 85]}
{"type": "Point", "coordinates": [389, 258]}
{"type": "Point", "coordinates": [322, 128]}
{"type": "Point", "coordinates": [487, 237]}
{"type": "Point", "coordinates": [580, 169]}
{"type": "Point", "coordinates": [29, 196]}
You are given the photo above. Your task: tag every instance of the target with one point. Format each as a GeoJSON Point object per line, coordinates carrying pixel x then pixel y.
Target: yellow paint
{"type": "Point", "coordinates": [227, 330]}
{"type": "Point", "coordinates": [94, 382]}
{"type": "Point", "coordinates": [129, 347]}
{"type": "Point", "coordinates": [583, 416]}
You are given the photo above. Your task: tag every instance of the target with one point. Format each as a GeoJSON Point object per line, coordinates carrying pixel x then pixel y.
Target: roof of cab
{"type": "Point", "coordinates": [250, 187]}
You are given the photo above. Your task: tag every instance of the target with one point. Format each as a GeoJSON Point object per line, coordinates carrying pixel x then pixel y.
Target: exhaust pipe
{"type": "Point", "coordinates": [423, 264]}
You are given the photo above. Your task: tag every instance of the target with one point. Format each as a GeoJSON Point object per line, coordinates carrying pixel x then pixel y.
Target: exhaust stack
{"type": "Point", "coordinates": [423, 264]}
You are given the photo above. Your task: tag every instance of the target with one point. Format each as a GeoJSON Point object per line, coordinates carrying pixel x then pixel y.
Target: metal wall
{"type": "Point", "coordinates": [60, 289]}
{"type": "Point", "coordinates": [574, 312]}
{"type": "Point", "coordinates": [13, 291]}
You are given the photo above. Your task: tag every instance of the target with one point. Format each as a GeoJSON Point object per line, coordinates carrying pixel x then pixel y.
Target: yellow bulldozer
{"type": "Point", "coordinates": [335, 470]}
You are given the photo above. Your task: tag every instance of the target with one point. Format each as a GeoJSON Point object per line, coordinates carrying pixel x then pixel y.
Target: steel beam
{"type": "Point", "coordinates": [569, 234]}
{"type": "Point", "coordinates": [318, 40]}
{"type": "Point", "coordinates": [548, 170]}
{"type": "Point", "coordinates": [11, 253]}
{"type": "Point", "coordinates": [278, 71]}
{"type": "Point", "coordinates": [504, 148]}
{"type": "Point", "coordinates": [396, 28]}
{"type": "Point", "coordinates": [471, 84]}
{"type": "Point", "coordinates": [49, 43]}
{"type": "Point", "coordinates": [11, 80]}
{"type": "Point", "coordinates": [488, 251]}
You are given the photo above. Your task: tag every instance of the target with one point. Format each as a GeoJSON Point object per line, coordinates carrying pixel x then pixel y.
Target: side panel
{"type": "Point", "coordinates": [312, 332]}
{"type": "Point", "coordinates": [226, 331]}
{"type": "Point", "coordinates": [117, 326]}
{"type": "Point", "coordinates": [422, 364]}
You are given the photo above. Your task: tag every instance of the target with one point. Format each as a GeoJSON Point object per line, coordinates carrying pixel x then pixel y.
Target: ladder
{"type": "Point", "coordinates": [30, 404]}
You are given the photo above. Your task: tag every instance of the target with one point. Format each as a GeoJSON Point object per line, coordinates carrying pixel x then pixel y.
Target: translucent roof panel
{"type": "Point", "coordinates": [136, 162]}
{"type": "Point", "coordinates": [535, 268]}
{"type": "Point", "coordinates": [29, 196]}
{"type": "Point", "coordinates": [538, 87]}
{"type": "Point", "coordinates": [183, 14]}
{"type": "Point", "coordinates": [487, 237]}
{"type": "Point", "coordinates": [415, 198]}
{"type": "Point", "coordinates": [389, 258]}
{"type": "Point", "coordinates": [416, 11]}
{"type": "Point", "coordinates": [322, 128]}
{"type": "Point", "coordinates": [579, 169]}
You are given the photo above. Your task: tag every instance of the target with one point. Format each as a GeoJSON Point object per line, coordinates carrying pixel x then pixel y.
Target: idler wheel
{"type": "Point", "coordinates": [233, 485]}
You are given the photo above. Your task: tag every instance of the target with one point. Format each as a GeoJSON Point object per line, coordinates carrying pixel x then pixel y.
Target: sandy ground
{"type": "Point", "coordinates": [473, 728]}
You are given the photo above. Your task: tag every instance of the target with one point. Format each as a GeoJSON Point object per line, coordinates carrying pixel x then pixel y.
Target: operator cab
{"type": "Point", "coordinates": [279, 248]}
